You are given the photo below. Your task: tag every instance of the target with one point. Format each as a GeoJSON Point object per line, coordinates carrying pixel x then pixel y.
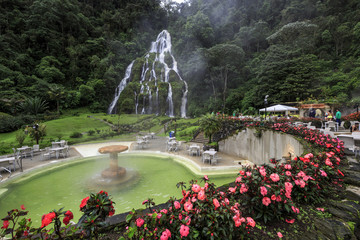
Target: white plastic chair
{"type": "Point", "coordinates": [48, 153]}
{"type": "Point", "coordinates": [206, 157]}
{"type": "Point", "coordinates": [349, 143]}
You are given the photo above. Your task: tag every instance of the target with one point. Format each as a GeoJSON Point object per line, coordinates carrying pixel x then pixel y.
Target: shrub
{"type": "Point", "coordinates": [91, 132]}
{"type": "Point", "coordinates": [20, 137]}
{"type": "Point", "coordinates": [76, 135]}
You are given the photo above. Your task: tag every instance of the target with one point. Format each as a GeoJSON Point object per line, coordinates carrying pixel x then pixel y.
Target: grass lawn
{"type": "Point", "coordinates": [78, 120]}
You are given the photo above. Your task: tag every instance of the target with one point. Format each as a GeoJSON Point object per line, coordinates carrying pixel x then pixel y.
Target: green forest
{"type": "Point", "coordinates": [65, 54]}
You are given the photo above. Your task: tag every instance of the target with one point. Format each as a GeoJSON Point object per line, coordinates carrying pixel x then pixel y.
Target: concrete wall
{"type": "Point", "coordinates": [260, 150]}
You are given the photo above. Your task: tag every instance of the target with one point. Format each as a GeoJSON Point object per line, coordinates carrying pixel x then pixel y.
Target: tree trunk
{"type": "Point", "coordinates": [225, 77]}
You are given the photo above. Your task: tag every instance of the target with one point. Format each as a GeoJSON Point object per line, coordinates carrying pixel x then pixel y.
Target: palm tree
{"type": "Point", "coordinates": [210, 125]}
{"type": "Point", "coordinates": [33, 105]}
{"type": "Point", "coordinates": [56, 92]}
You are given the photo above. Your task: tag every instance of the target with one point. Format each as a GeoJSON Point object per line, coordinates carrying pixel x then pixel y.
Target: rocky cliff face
{"type": "Point", "coordinates": [152, 84]}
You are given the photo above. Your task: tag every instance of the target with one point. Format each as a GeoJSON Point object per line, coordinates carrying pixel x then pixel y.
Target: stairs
{"type": "Point", "coordinates": [200, 138]}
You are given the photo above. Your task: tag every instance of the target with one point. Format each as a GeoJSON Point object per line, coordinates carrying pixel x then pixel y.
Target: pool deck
{"type": "Point", "coordinates": [157, 146]}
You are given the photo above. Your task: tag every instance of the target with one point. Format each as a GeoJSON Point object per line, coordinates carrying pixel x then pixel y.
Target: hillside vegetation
{"type": "Point", "coordinates": [232, 53]}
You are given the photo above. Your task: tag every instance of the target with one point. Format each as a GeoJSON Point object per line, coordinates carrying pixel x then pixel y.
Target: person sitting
{"type": "Point", "coordinates": [355, 128]}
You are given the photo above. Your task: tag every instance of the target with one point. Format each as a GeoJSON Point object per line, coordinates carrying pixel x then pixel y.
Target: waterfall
{"type": "Point", "coordinates": [136, 103]}
{"type": "Point", "coordinates": [161, 48]}
{"type": "Point", "coordinates": [170, 101]}
{"type": "Point", "coordinates": [123, 83]}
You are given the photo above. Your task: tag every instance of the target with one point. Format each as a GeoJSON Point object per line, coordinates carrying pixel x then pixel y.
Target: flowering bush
{"type": "Point", "coordinates": [202, 213]}
{"type": "Point", "coordinates": [25, 231]}
{"type": "Point", "coordinates": [352, 117]}
{"type": "Point", "coordinates": [96, 208]}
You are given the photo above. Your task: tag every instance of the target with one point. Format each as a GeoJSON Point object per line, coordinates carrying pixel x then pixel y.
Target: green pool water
{"type": "Point", "coordinates": [65, 185]}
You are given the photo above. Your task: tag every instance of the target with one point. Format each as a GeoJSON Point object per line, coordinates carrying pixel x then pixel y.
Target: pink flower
{"type": "Point", "coordinates": [279, 234]}
{"type": "Point", "coordinates": [139, 222]}
{"type": "Point", "coordinates": [301, 174]}
{"type": "Point", "coordinates": [184, 231]}
{"type": "Point", "coordinates": [196, 188]}
{"type": "Point", "coordinates": [275, 177]}
{"type": "Point", "coordinates": [263, 190]}
{"type": "Point", "coordinates": [287, 166]}
{"type": "Point", "coordinates": [266, 201]}
{"type": "Point", "coordinates": [243, 188]}
{"type": "Point", "coordinates": [206, 177]}
{"type": "Point", "coordinates": [250, 222]}
{"type": "Point", "coordinates": [273, 197]}
{"type": "Point", "coordinates": [165, 235]}
{"type": "Point", "coordinates": [295, 210]}
{"type": "Point", "coordinates": [188, 206]}
{"type": "Point", "coordinates": [320, 209]}
{"type": "Point", "coordinates": [323, 173]}
{"type": "Point", "coordinates": [177, 205]}
{"type": "Point", "coordinates": [216, 203]}
{"type": "Point", "coordinates": [22, 207]}
{"type": "Point", "coordinates": [145, 201]}
{"type": "Point", "coordinates": [232, 189]}
{"type": "Point", "coordinates": [328, 162]}
{"type": "Point", "coordinates": [238, 179]}
{"type": "Point", "coordinates": [164, 211]}
{"type": "Point", "coordinates": [288, 173]}
{"type": "Point", "coordinates": [291, 221]}
{"type": "Point", "coordinates": [248, 174]}
{"type": "Point", "coordinates": [262, 171]}
{"type": "Point", "coordinates": [201, 195]}
{"type": "Point", "coordinates": [188, 220]}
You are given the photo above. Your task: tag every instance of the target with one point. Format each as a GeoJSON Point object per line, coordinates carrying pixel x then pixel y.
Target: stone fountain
{"type": "Point", "coordinates": [114, 171]}
{"type": "Point", "coordinates": [114, 175]}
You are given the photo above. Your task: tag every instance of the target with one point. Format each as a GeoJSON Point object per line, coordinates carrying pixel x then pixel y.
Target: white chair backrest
{"type": "Point", "coordinates": [348, 141]}
{"type": "Point", "coordinates": [36, 147]}
{"type": "Point", "coordinates": [212, 149]}
{"type": "Point", "coordinates": [355, 133]}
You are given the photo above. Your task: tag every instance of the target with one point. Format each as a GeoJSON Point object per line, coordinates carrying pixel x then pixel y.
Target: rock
{"type": "Point", "coordinates": [343, 215]}
{"type": "Point", "coordinates": [354, 166]}
{"type": "Point", "coordinates": [346, 210]}
{"type": "Point", "coordinates": [333, 229]}
{"type": "Point", "coordinates": [353, 193]}
{"type": "Point", "coordinates": [352, 177]}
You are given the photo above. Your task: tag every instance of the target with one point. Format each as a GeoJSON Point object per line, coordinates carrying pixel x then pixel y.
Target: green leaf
{"type": "Point", "coordinates": [129, 217]}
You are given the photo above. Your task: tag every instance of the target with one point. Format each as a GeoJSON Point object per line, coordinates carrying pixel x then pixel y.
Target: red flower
{"type": "Point", "coordinates": [69, 214]}
{"type": "Point", "coordinates": [22, 207]}
{"type": "Point", "coordinates": [84, 202]}
{"type": "Point", "coordinates": [66, 220]}
{"type": "Point", "coordinates": [5, 224]}
{"type": "Point", "coordinates": [47, 219]}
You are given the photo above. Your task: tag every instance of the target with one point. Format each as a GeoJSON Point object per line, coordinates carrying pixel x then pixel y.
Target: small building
{"type": "Point", "coordinates": [320, 109]}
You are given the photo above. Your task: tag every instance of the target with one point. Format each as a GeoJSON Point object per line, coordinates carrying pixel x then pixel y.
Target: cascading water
{"type": "Point", "coordinates": [123, 83]}
{"type": "Point", "coordinates": [170, 101]}
{"type": "Point", "coordinates": [160, 52]}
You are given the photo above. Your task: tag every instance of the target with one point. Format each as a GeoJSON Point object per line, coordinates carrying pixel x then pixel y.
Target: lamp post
{"type": "Point", "coordinates": [265, 103]}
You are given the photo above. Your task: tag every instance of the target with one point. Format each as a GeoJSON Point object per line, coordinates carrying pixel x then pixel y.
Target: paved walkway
{"type": "Point", "coordinates": [157, 146]}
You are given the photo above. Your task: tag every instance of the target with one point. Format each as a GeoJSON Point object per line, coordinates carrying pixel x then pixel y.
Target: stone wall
{"type": "Point", "coordinates": [260, 149]}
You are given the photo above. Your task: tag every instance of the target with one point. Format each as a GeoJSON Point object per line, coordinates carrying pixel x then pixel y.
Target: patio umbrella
{"type": "Point", "coordinates": [278, 108]}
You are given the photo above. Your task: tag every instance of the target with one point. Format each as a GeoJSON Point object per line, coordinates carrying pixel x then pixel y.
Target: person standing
{"type": "Point", "coordinates": [338, 117]}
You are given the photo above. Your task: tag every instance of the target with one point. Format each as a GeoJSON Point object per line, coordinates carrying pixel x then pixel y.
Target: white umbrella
{"type": "Point", "coordinates": [278, 108]}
